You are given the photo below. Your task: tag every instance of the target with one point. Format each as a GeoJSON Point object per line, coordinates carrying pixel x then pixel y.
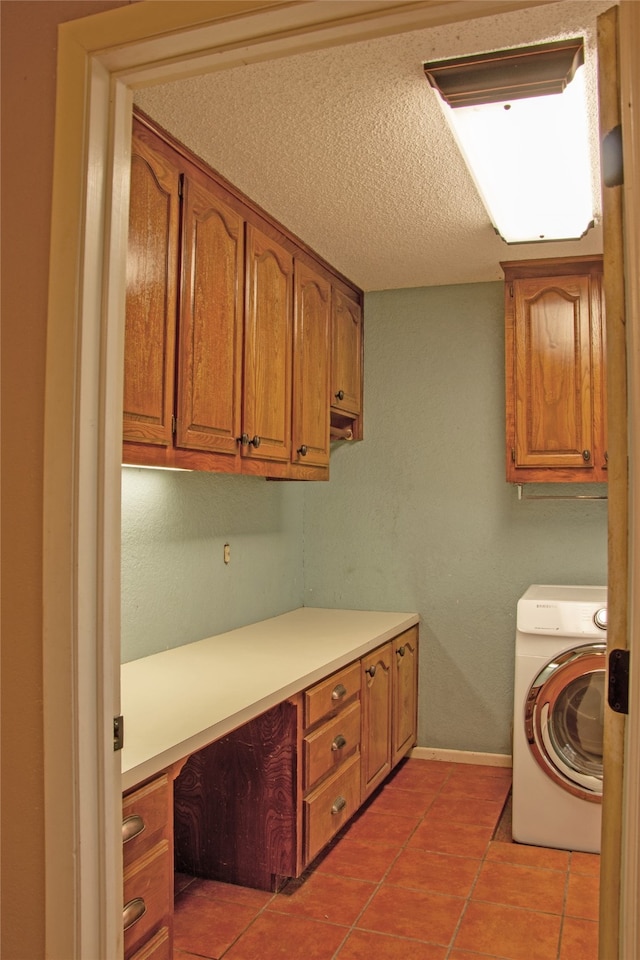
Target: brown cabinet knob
{"type": "Point", "coordinates": [401, 651]}
{"type": "Point", "coordinates": [303, 450]}
{"type": "Point", "coordinates": [338, 743]}
{"type": "Point", "coordinates": [371, 670]}
{"type": "Point", "coordinates": [246, 442]}
{"type": "Point", "coordinates": [586, 455]}
{"type": "Point", "coordinates": [338, 692]}
{"type": "Point", "coordinates": [338, 804]}
{"type": "Point", "coordinates": [340, 395]}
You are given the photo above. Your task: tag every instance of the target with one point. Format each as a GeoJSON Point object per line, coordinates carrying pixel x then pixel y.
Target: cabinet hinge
{"type": "Point", "coordinates": [618, 694]}
{"type": "Point", "coordinates": [513, 455]}
{"type": "Point", "coordinates": [181, 185]}
{"type": "Point", "coordinates": [173, 424]}
{"type": "Point", "coordinates": [118, 733]}
{"type": "Point", "coordinates": [511, 290]}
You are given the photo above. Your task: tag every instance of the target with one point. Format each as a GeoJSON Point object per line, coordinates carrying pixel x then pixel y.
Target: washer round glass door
{"type": "Point", "coordinates": [564, 719]}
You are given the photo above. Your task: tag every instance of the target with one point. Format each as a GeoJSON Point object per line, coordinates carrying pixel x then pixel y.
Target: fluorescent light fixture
{"type": "Point", "coordinates": [527, 149]}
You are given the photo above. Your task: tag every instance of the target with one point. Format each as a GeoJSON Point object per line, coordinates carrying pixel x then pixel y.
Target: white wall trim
{"type": "Point", "coordinates": [461, 756]}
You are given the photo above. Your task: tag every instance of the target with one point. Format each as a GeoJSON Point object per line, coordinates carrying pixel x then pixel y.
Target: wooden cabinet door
{"type": "Point", "coordinates": [405, 693]}
{"type": "Point", "coordinates": [346, 355]}
{"type": "Point", "coordinates": [555, 380]}
{"type": "Point", "coordinates": [151, 292]}
{"type": "Point", "coordinates": [211, 318]}
{"type": "Point", "coordinates": [266, 419]}
{"type": "Point", "coordinates": [377, 688]}
{"type": "Point", "coordinates": [310, 424]}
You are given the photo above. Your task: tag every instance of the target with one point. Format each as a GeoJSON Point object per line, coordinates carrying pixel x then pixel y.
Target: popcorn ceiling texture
{"type": "Point", "coordinates": [349, 149]}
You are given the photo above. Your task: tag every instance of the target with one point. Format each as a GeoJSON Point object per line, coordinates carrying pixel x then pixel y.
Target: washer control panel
{"type": "Point", "coordinates": [565, 611]}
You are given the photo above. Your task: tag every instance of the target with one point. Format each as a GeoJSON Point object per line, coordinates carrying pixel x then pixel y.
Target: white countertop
{"type": "Point", "coordinates": [178, 701]}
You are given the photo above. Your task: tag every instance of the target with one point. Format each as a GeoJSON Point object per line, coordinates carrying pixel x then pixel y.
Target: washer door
{"type": "Point", "coordinates": [564, 719]}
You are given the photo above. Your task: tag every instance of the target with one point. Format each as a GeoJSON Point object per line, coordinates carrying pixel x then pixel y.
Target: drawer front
{"type": "Point", "coordinates": [147, 894]}
{"type": "Point", "coordinates": [327, 747]}
{"type": "Point", "coordinates": [157, 948]}
{"type": "Point", "coordinates": [146, 815]}
{"type": "Point", "coordinates": [329, 695]}
{"type": "Point", "coordinates": [329, 807]}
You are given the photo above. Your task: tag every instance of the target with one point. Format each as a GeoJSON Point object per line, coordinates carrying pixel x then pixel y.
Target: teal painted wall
{"type": "Point", "coordinates": [416, 517]}
{"type": "Point", "coordinates": [176, 587]}
{"type": "Point", "coordinates": [419, 516]}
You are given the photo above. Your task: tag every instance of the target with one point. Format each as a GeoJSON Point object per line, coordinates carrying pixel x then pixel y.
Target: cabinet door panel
{"type": "Point", "coordinates": [405, 694]}
{"type": "Point", "coordinates": [310, 442]}
{"type": "Point", "coordinates": [267, 349]}
{"type": "Point", "coordinates": [376, 718]}
{"type": "Point", "coordinates": [555, 373]}
{"type": "Point", "coordinates": [346, 355]}
{"type": "Point", "coordinates": [210, 336]}
{"type": "Point", "coordinates": [152, 278]}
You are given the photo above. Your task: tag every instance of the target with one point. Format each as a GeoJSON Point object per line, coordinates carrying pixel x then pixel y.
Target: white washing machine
{"type": "Point", "coordinates": [559, 700]}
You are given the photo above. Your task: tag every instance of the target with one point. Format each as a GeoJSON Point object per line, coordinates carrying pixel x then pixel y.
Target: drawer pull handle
{"type": "Point", "coordinates": [133, 911]}
{"type": "Point", "coordinates": [371, 670]}
{"type": "Point", "coordinates": [339, 692]}
{"type": "Point", "coordinates": [338, 743]}
{"type": "Point", "coordinates": [338, 804]}
{"type": "Point", "coordinates": [400, 650]}
{"type": "Point", "coordinates": [131, 827]}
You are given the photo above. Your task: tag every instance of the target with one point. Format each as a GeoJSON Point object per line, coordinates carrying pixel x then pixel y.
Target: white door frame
{"type": "Point", "coordinates": [100, 61]}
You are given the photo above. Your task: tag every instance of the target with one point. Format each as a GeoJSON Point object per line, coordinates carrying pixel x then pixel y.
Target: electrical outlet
{"type": "Point", "coordinates": [227, 553]}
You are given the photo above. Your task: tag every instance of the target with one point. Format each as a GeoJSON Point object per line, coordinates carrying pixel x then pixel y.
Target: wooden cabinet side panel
{"type": "Point", "coordinates": [346, 355]}
{"type": "Point", "coordinates": [376, 717]}
{"type": "Point", "coordinates": [151, 291]}
{"type": "Point", "coordinates": [267, 347]}
{"type": "Point", "coordinates": [211, 318]}
{"type": "Point", "coordinates": [405, 694]}
{"type": "Point", "coordinates": [311, 367]}
{"type": "Point", "coordinates": [236, 804]}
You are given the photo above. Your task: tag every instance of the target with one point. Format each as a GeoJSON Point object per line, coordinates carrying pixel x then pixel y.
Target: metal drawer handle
{"type": "Point", "coordinates": [338, 804]}
{"type": "Point", "coordinates": [400, 650]}
{"type": "Point", "coordinates": [132, 912]}
{"type": "Point", "coordinates": [131, 827]}
{"type": "Point", "coordinates": [371, 670]}
{"type": "Point", "coordinates": [339, 692]}
{"type": "Point", "coordinates": [338, 743]}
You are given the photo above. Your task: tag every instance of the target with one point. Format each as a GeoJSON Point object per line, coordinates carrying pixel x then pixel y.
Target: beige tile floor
{"type": "Point", "coordinates": [426, 871]}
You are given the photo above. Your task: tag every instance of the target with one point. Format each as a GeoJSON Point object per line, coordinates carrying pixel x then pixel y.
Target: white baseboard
{"type": "Point", "coordinates": [462, 756]}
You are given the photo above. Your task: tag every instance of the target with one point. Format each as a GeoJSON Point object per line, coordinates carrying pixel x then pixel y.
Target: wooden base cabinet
{"type": "Point", "coordinates": [147, 837]}
{"type": "Point", "coordinates": [555, 371]}
{"type": "Point", "coordinates": [389, 707]}
{"type": "Point", "coordinates": [257, 806]}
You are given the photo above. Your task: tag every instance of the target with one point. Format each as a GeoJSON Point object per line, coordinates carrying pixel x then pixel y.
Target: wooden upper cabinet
{"type": "Point", "coordinates": [210, 328]}
{"type": "Point", "coordinates": [346, 355]}
{"type": "Point", "coordinates": [228, 327]}
{"type": "Point", "coordinates": [555, 371]}
{"type": "Point", "coordinates": [311, 339]}
{"type": "Point", "coordinates": [151, 294]}
{"type": "Point", "coordinates": [266, 421]}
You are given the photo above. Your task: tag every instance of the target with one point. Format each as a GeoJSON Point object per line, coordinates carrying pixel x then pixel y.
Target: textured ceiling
{"type": "Point", "coordinates": [349, 149]}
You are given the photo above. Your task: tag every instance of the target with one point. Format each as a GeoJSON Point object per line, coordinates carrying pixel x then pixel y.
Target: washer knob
{"type": "Point", "coordinates": [600, 618]}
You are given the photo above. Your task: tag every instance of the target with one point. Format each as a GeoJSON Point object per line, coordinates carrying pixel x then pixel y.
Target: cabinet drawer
{"type": "Point", "coordinates": [146, 814]}
{"type": "Point", "coordinates": [330, 806]}
{"type": "Point", "coordinates": [329, 695]}
{"type": "Point", "coordinates": [147, 894]}
{"type": "Point", "coordinates": [157, 948]}
{"type": "Point", "coordinates": [326, 747]}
